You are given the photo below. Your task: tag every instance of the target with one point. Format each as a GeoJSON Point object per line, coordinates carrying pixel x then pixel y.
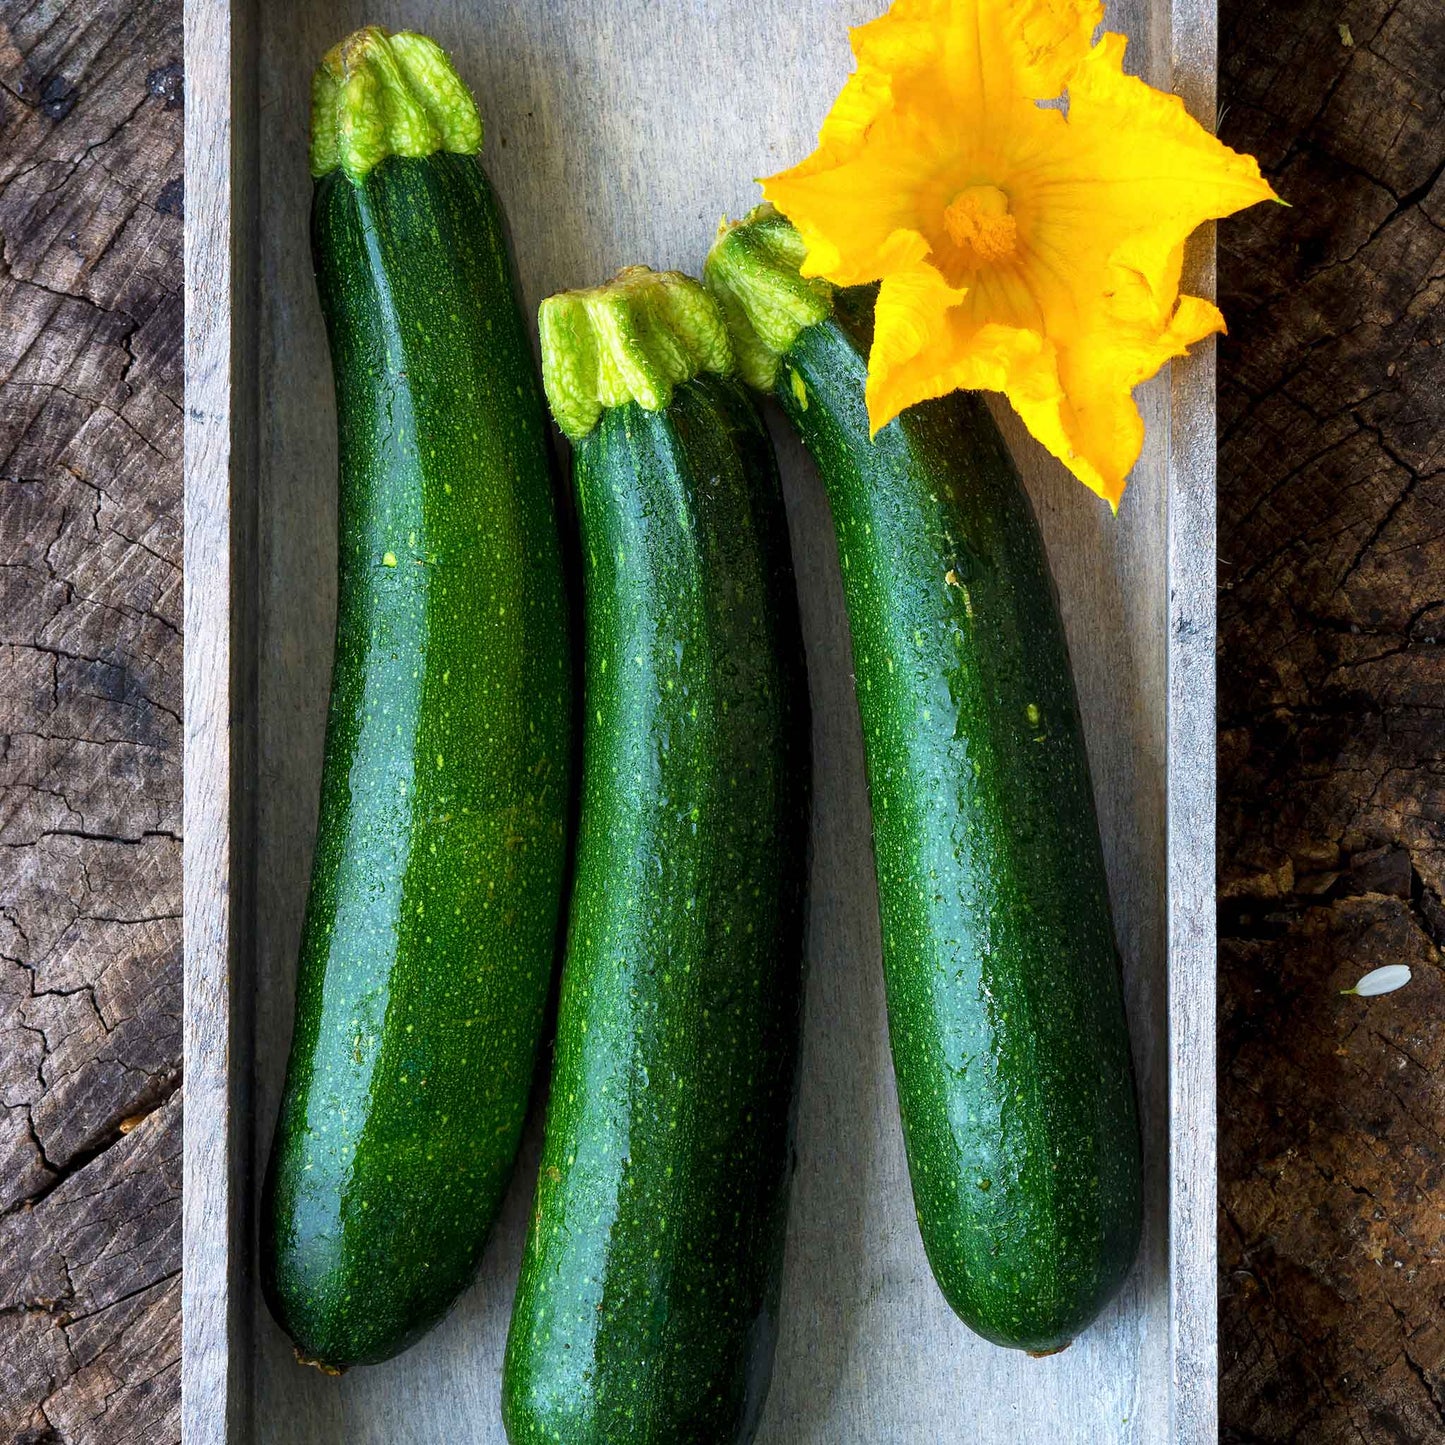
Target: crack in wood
{"type": "Point", "coordinates": [1332, 800]}
{"type": "Point", "coordinates": [90, 416]}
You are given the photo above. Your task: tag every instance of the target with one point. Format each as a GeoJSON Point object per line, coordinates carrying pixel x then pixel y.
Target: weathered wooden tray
{"type": "Point", "coordinates": [618, 133]}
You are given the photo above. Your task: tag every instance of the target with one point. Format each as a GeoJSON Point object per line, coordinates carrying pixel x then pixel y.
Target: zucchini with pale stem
{"type": "Point", "coordinates": [1005, 1004]}
{"type": "Point", "coordinates": [432, 924]}
{"type": "Point", "coordinates": [649, 1288]}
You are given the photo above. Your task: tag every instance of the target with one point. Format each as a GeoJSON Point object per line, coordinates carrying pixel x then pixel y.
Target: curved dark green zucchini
{"type": "Point", "coordinates": [1005, 1004]}
{"type": "Point", "coordinates": [646, 1310]}
{"type": "Point", "coordinates": [433, 919]}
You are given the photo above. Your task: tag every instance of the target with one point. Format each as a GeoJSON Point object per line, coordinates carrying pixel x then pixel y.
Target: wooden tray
{"type": "Point", "coordinates": [619, 133]}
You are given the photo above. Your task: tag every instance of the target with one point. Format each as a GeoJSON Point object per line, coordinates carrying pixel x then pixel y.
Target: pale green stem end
{"type": "Point", "coordinates": [633, 339]}
{"type": "Point", "coordinates": [377, 95]}
{"type": "Point", "coordinates": [753, 272]}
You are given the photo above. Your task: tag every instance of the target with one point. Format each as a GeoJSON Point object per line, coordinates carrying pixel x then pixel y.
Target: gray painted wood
{"type": "Point", "coordinates": [1189, 841]}
{"type": "Point", "coordinates": [221, 357]}
{"type": "Point", "coordinates": [618, 134]}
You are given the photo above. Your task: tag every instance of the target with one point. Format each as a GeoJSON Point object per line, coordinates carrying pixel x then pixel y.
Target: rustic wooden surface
{"type": "Point", "coordinates": [90, 685]}
{"type": "Point", "coordinates": [1333, 596]}
{"type": "Point", "coordinates": [1332, 746]}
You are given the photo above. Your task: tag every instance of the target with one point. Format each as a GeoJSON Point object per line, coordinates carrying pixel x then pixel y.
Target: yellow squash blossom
{"type": "Point", "coordinates": [1024, 248]}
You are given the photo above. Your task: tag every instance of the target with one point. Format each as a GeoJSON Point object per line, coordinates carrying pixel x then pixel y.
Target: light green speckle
{"type": "Point", "coordinates": [800, 387]}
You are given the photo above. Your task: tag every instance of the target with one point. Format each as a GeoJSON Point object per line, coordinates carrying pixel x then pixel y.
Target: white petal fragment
{"type": "Point", "coordinates": [1381, 980]}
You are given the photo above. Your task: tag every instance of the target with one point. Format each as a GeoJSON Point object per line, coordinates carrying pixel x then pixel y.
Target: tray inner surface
{"type": "Point", "coordinates": [618, 134]}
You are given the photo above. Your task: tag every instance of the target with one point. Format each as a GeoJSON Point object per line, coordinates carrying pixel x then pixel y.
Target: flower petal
{"type": "Point", "coordinates": [1049, 39]}
{"type": "Point", "coordinates": [1108, 284]}
{"type": "Point", "coordinates": [1381, 980]}
{"type": "Point", "coordinates": [845, 241]}
{"type": "Point", "coordinates": [1030, 46]}
{"type": "Point", "coordinates": [958, 354]}
{"type": "Point", "coordinates": [903, 41]}
{"type": "Point", "coordinates": [910, 320]}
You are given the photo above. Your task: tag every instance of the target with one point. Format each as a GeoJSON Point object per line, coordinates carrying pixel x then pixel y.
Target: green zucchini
{"type": "Point", "coordinates": [433, 920]}
{"type": "Point", "coordinates": [1005, 1002]}
{"type": "Point", "coordinates": [649, 1289]}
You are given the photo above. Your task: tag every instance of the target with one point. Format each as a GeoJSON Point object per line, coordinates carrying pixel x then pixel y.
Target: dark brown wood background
{"type": "Point", "coordinates": [1332, 726]}
{"type": "Point", "coordinates": [1332, 811]}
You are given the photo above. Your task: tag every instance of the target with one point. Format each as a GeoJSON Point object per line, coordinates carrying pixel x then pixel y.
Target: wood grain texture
{"type": "Point", "coordinates": [90, 663]}
{"type": "Point", "coordinates": [617, 136]}
{"type": "Point", "coordinates": [220, 778]}
{"type": "Point", "coordinates": [1190, 806]}
{"type": "Point", "coordinates": [1332, 814]}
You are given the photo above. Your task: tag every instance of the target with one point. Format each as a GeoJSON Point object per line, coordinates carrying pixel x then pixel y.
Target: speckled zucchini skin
{"type": "Point", "coordinates": [432, 924]}
{"type": "Point", "coordinates": [1005, 1005]}
{"type": "Point", "coordinates": [648, 1297]}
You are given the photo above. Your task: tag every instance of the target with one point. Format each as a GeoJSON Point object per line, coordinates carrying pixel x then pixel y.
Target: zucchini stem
{"type": "Point", "coordinates": [753, 272]}
{"type": "Point", "coordinates": [377, 95]}
{"type": "Point", "coordinates": [633, 338]}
